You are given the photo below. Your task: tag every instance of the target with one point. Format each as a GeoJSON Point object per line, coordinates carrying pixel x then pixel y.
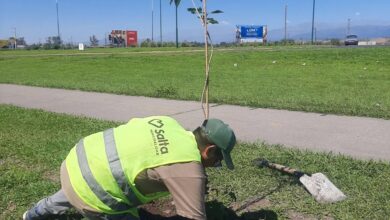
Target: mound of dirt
{"type": "Point", "coordinates": [165, 209]}
{"type": "Point", "coordinates": [160, 209]}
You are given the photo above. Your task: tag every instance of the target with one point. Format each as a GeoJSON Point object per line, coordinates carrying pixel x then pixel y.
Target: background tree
{"type": "Point", "coordinates": [94, 41]}
{"type": "Point", "coordinates": [21, 41]}
{"type": "Point", "coordinates": [57, 42]}
{"type": "Point", "coordinates": [54, 42]}
{"type": "Point", "coordinates": [4, 43]}
{"type": "Point", "coordinates": [177, 3]}
{"type": "Point", "coordinates": [148, 43]}
{"type": "Point", "coordinates": [11, 42]}
{"type": "Point", "coordinates": [335, 41]}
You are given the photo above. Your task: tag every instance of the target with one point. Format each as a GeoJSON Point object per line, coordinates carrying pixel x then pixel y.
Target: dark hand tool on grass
{"type": "Point", "coordinates": [317, 184]}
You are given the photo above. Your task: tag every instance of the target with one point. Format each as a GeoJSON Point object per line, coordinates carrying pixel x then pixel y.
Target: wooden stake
{"type": "Point", "coordinates": [205, 101]}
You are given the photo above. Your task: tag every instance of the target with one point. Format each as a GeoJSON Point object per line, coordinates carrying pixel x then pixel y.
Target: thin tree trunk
{"type": "Point", "coordinates": [177, 31]}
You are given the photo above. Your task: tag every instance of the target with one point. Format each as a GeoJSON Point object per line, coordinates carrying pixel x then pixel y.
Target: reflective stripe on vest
{"type": "Point", "coordinates": [116, 167]}
{"type": "Point", "coordinates": [94, 185]}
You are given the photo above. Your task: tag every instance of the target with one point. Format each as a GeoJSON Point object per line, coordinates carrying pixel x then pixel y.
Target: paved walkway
{"type": "Point", "coordinates": [365, 138]}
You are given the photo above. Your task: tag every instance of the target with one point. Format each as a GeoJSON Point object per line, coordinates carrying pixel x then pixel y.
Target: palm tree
{"type": "Point", "coordinates": [177, 3]}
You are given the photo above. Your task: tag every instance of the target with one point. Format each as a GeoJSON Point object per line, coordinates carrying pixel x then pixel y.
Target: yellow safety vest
{"type": "Point", "coordinates": [102, 167]}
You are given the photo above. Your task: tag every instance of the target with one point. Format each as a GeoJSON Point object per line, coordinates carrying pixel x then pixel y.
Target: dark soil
{"type": "Point", "coordinates": [165, 209]}
{"type": "Point", "coordinates": [160, 209]}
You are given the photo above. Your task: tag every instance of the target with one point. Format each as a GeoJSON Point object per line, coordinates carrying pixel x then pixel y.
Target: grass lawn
{"type": "Point", "coordinates": [92, 50]}
{"type": "Point", "coordinates": [346, 81]}
{"type": "Point", "coordinates": [34, 143]}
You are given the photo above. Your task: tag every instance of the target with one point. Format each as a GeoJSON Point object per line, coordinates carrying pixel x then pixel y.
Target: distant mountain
{"type": "Point", "coordinates": [226, 33]}
{"type": "Point", "coordinates": [303, 32]}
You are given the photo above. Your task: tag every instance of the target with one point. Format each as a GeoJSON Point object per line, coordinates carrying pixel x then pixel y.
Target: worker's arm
{"type": "Point", "coordinates": [186, 183]}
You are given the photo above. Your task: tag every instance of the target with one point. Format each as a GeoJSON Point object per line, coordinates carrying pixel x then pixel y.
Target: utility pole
{"type": "Point", "coordinates": [15, 37]}
{"type": "Point", "coordinates": [152, 20]}
{"type": "Point", "coordinates": [285, 25]}
{"type": "Point", "coordinates": [161, 41]}
{"type": "Point", "coordinates": [58, 22]}
{"type": "Point", "coordinates": [105, 39]}
{"type": "Point", "coordinates": [312, 22]}
{"type": "Point", "coordinates": [177, 31]}
{"type": "Point", "coordinates": [349, 27]}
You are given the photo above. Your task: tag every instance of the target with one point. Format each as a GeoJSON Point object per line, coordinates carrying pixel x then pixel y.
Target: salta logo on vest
{"type": "Point", "coordinates": [159, 140]}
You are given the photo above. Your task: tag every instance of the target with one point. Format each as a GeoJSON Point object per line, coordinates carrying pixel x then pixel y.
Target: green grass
{"type": "Point", "coordinates": [33, 144]}
{"type": "Point", "coordinates": [91, 50]}
{"type": "Point", "coordinates": [346, 81]}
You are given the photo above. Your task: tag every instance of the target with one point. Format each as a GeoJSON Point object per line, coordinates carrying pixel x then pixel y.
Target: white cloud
{"type": "Point", "coordinates": [225, 22]}
{"type": "Point", "coordinates": [357, 13]}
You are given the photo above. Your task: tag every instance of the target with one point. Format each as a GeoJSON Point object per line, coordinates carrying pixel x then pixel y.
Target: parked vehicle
{"type": "Point", "coordinates": [351, 40]}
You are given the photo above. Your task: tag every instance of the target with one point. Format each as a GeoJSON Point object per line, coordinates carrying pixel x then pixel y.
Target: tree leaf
{"type": "Point", "coordinates": [216, 12]}
{"type": "Point", "coordinates": [212, 21]}
{"type": "Point", "coordinates": [193, 10]}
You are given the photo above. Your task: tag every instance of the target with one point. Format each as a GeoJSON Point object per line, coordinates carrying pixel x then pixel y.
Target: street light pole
{"type": "Point", "coordinates": [161, 41]}
{"type": "Point", "coordinates": [152, 20]}
{"type": "Point", "coordinates": [285, 25]}
{"type": "Point", "coordinates": [177, 31]}
{"type": "Point", "coordinates": [312, 22]}
{"type": "Point", "coordinates": [15, 37]}
{"type": "Point", "coordinates": [58, 22]}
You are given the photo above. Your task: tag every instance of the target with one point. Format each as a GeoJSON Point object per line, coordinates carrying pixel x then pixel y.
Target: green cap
{"type": "Point", "coordinates": [223, 136]}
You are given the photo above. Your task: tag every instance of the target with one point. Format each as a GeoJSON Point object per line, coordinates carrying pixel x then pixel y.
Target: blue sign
{"type": "Point", "coordinates": [251, 31]}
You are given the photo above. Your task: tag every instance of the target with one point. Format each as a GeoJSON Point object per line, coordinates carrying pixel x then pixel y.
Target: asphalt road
{"type": "Point", "coordinates": [359, 137]}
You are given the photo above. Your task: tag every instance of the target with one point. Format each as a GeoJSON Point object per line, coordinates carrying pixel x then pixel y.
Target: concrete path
{"type": "Point", "coordinates": [364, 138]}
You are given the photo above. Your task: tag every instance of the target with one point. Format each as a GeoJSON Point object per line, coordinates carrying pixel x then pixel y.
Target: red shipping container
{"type": "Point", "coordinates": [131, 38]}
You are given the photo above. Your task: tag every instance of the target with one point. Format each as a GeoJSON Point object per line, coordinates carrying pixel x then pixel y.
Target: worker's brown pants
{"type": "Point", "coordinates": [57, 204]}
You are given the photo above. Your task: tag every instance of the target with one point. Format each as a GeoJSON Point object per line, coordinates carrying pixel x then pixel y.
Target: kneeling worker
{"type": "Point", "coordinates": [108, 174]}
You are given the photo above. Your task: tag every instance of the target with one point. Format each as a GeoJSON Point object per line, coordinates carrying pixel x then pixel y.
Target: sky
{"type": "Point", "coordinates": [35, 20]}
